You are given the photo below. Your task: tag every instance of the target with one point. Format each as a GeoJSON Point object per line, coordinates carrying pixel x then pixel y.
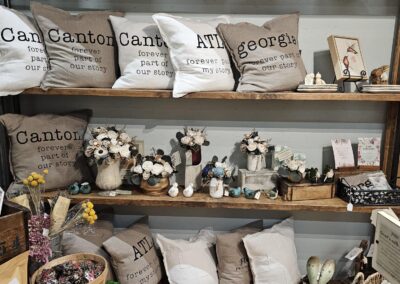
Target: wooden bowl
{"type": "Point", "coordinates": [160, 188]}
{"type": "Point", "coordinates": [77, 256]}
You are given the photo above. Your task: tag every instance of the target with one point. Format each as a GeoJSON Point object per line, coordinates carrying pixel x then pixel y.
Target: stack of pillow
{"type": "Point", "coordinates": [245, 255]}
{"type": "Point", "coordinates": [186, 55]}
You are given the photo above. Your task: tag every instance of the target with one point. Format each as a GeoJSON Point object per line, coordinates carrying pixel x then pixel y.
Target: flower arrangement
{"type": "Point", "coordinates": [35, 185]}
{"type": "Point", "coordinates": [152, 168]}
{"type": "Point", "coordinates": [293, 170]}
{"type": "Point", "coordinates": [252, 144]}
{"type": "Point", "coordinates": [110, 144]}
{"type": "Point", "coordinates": [218, 170]}
{"type": "Point", "coordinates": [192, 138]}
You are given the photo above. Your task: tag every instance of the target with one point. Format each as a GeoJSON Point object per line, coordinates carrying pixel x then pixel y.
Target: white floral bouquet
{"type": "Point", "coordinates": [252, 144]}
{"type": "Point", "coordinates": [110, 144]}
{"type": "Point", "coordinates": [192, 138]}
{"type": "Point", "coordinates": [152, 168]}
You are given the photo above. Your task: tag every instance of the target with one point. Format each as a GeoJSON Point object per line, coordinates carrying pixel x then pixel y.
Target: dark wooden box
{"type": "Point", "coordinates": [13, 231]}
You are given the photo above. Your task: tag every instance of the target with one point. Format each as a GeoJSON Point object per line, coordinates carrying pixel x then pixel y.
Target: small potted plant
{"type": "Point", "coordinates": [151, 173]}
{"type": "Point", "coordinates": [293, 170]}
{"type": "Point", "coordinates": [216, 174]}
{"type": "Point", "coordinates": [255, 148]}
{"type": "Point", "coordinates": [108, 147]}
{"type": "Point", "coordinates": [191, 139]}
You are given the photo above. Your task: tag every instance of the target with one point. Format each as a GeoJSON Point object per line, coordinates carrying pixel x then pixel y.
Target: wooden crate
{"type": "Point", "coordinates": [13, 231]}
{"type": "Point", "coordinates": [306, 191]}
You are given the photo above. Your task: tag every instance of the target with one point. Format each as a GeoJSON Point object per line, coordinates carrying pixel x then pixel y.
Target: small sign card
{"type": "Point", "coordinates": [1, 199]}
{"type": "Point", "coordinates": [386, 253]}
{"type": "Point", "coordinates": [343, 153]}
{"type": "Point", "coordinates": [369, 151]}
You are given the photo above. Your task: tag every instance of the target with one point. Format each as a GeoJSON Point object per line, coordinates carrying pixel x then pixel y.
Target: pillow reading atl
{"type": "Point", "coordinates": [48, 141]}
{"type": "Point", "coordinates": [267, 57]}
{"type": "Point", "coordinates": [80, 47]}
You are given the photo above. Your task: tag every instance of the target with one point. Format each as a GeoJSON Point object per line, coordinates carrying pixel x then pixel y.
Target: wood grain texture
{"type": "Point", "coordinates": [203, 200]}
{"type": "Point", "coordinates": [306, 191]}
{"type": "Point", "coordinates": [166, 94]}
{"type": "Point", "coordinates": [389, 139]}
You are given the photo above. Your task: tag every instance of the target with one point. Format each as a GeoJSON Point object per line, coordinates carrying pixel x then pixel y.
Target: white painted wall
{"type": "Point", "coordinates": [305, 126]}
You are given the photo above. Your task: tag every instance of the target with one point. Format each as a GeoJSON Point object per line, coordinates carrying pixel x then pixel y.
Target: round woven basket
{"type": "Point", "coordinates": [77, 256]}
{"type": "Point", "coordinates": [160, 188]}
{"type": "Point", "coordinates": [375, 278]}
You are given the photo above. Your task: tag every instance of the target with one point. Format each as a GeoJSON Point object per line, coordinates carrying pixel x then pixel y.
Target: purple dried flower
{"type": "Point", "coordinates": [39, 242]}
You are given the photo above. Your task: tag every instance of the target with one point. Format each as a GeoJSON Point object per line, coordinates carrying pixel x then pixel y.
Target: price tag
{"type": "Point", "coordinates": [350, 207]}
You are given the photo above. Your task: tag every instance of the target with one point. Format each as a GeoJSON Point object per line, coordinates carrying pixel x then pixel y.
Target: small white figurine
{"type": "Point", "coordinates": [188, 191]}
{"type": "Point", "coordinates": [309, 79]}
{"type": "Point", "coordinates": [318, 80]}
{"type": "Point", "coordinates": [174, 190]}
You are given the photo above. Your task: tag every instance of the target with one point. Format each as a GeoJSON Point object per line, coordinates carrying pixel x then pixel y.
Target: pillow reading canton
{"type": "Point", "coordinates": [233, 265]}
{"type": "Point", "coordinates": [197, 53]}
{"type": "Point", "coordinates": [23, 60]}
{"type": "Point", "coordinates": [47, 141]}
{"type": "Point", "coordinates": [272, 254]}
{"type": "Point", "coordinates": [189, 261]}
{"type": "Point", "coordinates": [267, 57]}
{"type": "Point", "coordinates": [80, 47]}
{"type": "Point", "coordinates": [143, 56]}
{"type": "Point", "coordinates": [133, 255]}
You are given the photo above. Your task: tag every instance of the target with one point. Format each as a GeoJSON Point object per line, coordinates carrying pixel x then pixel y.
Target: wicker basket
{"type": "Point", "coordinates": [160, 188]}
{"type": "Point", "coordinates": [77, 256]}
{"type": "Point", "coordinates": [375, 278]}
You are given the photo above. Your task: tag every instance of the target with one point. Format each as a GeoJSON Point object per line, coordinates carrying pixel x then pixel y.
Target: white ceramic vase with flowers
{"type": "Point", "coordinates": [108, 147]}
{"type": "Point", "coordinates": [256, 148]}
{"type": "Point", "coordinates": [217, 175]}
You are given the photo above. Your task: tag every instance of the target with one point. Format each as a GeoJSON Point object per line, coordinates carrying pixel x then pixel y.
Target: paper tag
{"type": "Point", "coordinates": [284, 154]}
{"type": "Point", "coordinates": [176, 159]}
{"type": "Point", "coordinates": [349, 207]}
{"type": "Point", "coordinates": [45, 232]}
{"type": "Point", "coordinates": [371, 250]}
{"type": "Point", "coordinates": [353, 253]}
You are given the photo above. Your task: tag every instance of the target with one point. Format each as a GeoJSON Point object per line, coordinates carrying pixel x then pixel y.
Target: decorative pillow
{"type": "Point", "coordinates": [233, 266]}
{"type": "Point", "coordinates": [133, 255]}
{"type": "Point", "coordinates": [272, 254]}
{"type": "Point", "coordinates": [89, 243]}
{"type": "Point", "coordinates": [267, 57]}
{"type": "Point", "coordinates": [197, 53]}
{"type": "Point", "coordinates": [80, 47]}
{"type": "Point", "coordinates": [23, 59]}
{"type": "Point", "coordinates": [189, 261]}
{"type": "Point", "coordinates": [48, 141]}
{"type": "Point", "coordinates": [143, 56]}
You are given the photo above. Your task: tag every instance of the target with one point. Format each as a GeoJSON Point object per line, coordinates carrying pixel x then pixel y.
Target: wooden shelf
{"type": "Point", "coordinates": [166, 94]}
{"type": "Point", "coordinates": [203, 200]}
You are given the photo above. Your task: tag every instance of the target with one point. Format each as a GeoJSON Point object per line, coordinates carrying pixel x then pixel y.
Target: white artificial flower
{"type": "Point", "coordinates": [191, 133]}
{"type": "Point", "coordinates": [157, 169]}
{"type": "Point", "coordinates": [218, 165]}
{"type": "Point", "coordinates": [185, 140]}
{"type": "Point", "coordinates": [124, 137]}
{"type": "Point", "coordinates": [252, 146]}
{"type": "Point", "coordinates": [114, 141]}
{"type": "Point", "coordinates": [115, 149]}
{"type": "Point", "coordinates": [262, 148]}
{"type": "Point", "coordinates": [228, 173]}
{"type": "Point", "coordinates": [168, 168]}
{"type": "Point", "coordinates": [147, 166]}
{"type": "Point", "coordinates": [257, 138]}
{"type": "Point", "coordinates": [293, 165]}
{"type": "Point", "coordinates": [146, 175]}
{"type": "Point", "coordinates": [318, 175]}
{"type": "Point", "coordinates": [302, 169]}
{"type": "Point", "coordinates": [112, 134]}
{"type": "Point", "coordinates": [199, 140]}
{"type": "Point", "coordinates": [124, 151]}
{"type": "Point", "coordinates": [138, 169]}
{"type": "Point", "coordinates": [164, 174]}
{"type": "Point", "coordinates": [101, 136]}
{"type": "Point", "coordinates": [106, 143]}
{"type": "Point", "coordinates": [330, 174]}
{"type": "Point", "coordinates": [100, 153]}
{"type": "Point", "coordinates": [250, 141]}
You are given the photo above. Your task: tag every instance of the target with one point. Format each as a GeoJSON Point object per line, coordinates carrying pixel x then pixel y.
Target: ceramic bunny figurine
{"type": "Point", "coordinates": [174, 190]}
{"type": "Point", "coordinates": [188, 191]}
{"type": "Point", "coordinates": [313, 266]}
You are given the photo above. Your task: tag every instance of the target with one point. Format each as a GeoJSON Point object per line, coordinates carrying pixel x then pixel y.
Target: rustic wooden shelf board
{"type": "Point", "coordinates": [283, 96]}
{"type": "Point", "coordinates": [203, 200]}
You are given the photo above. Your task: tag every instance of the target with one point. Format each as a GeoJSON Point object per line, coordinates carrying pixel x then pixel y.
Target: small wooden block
{"type": "Point", "coordinates": [306, 191]}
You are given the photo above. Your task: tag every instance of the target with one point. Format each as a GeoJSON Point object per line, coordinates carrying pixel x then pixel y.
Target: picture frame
{"type": "Point", "coordinates": [347, 58]}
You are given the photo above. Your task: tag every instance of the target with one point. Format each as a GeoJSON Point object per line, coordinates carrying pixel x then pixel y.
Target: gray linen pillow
{"type": "Point", "coordinates": [267, 57]}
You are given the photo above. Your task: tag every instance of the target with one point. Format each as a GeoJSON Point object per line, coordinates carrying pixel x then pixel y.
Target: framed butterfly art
{"type": "Point", "coordinates": [347, 58]}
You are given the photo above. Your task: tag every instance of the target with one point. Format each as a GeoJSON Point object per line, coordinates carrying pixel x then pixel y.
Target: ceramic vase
{"type": "Point", "coordinates": [216, 188]}
{"type": "Point", "coordinates": [108, 176]}
{"type": "Point", "coordinates": [193, 157]}
{"type": "Point", "coordinates": [255, 162]}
